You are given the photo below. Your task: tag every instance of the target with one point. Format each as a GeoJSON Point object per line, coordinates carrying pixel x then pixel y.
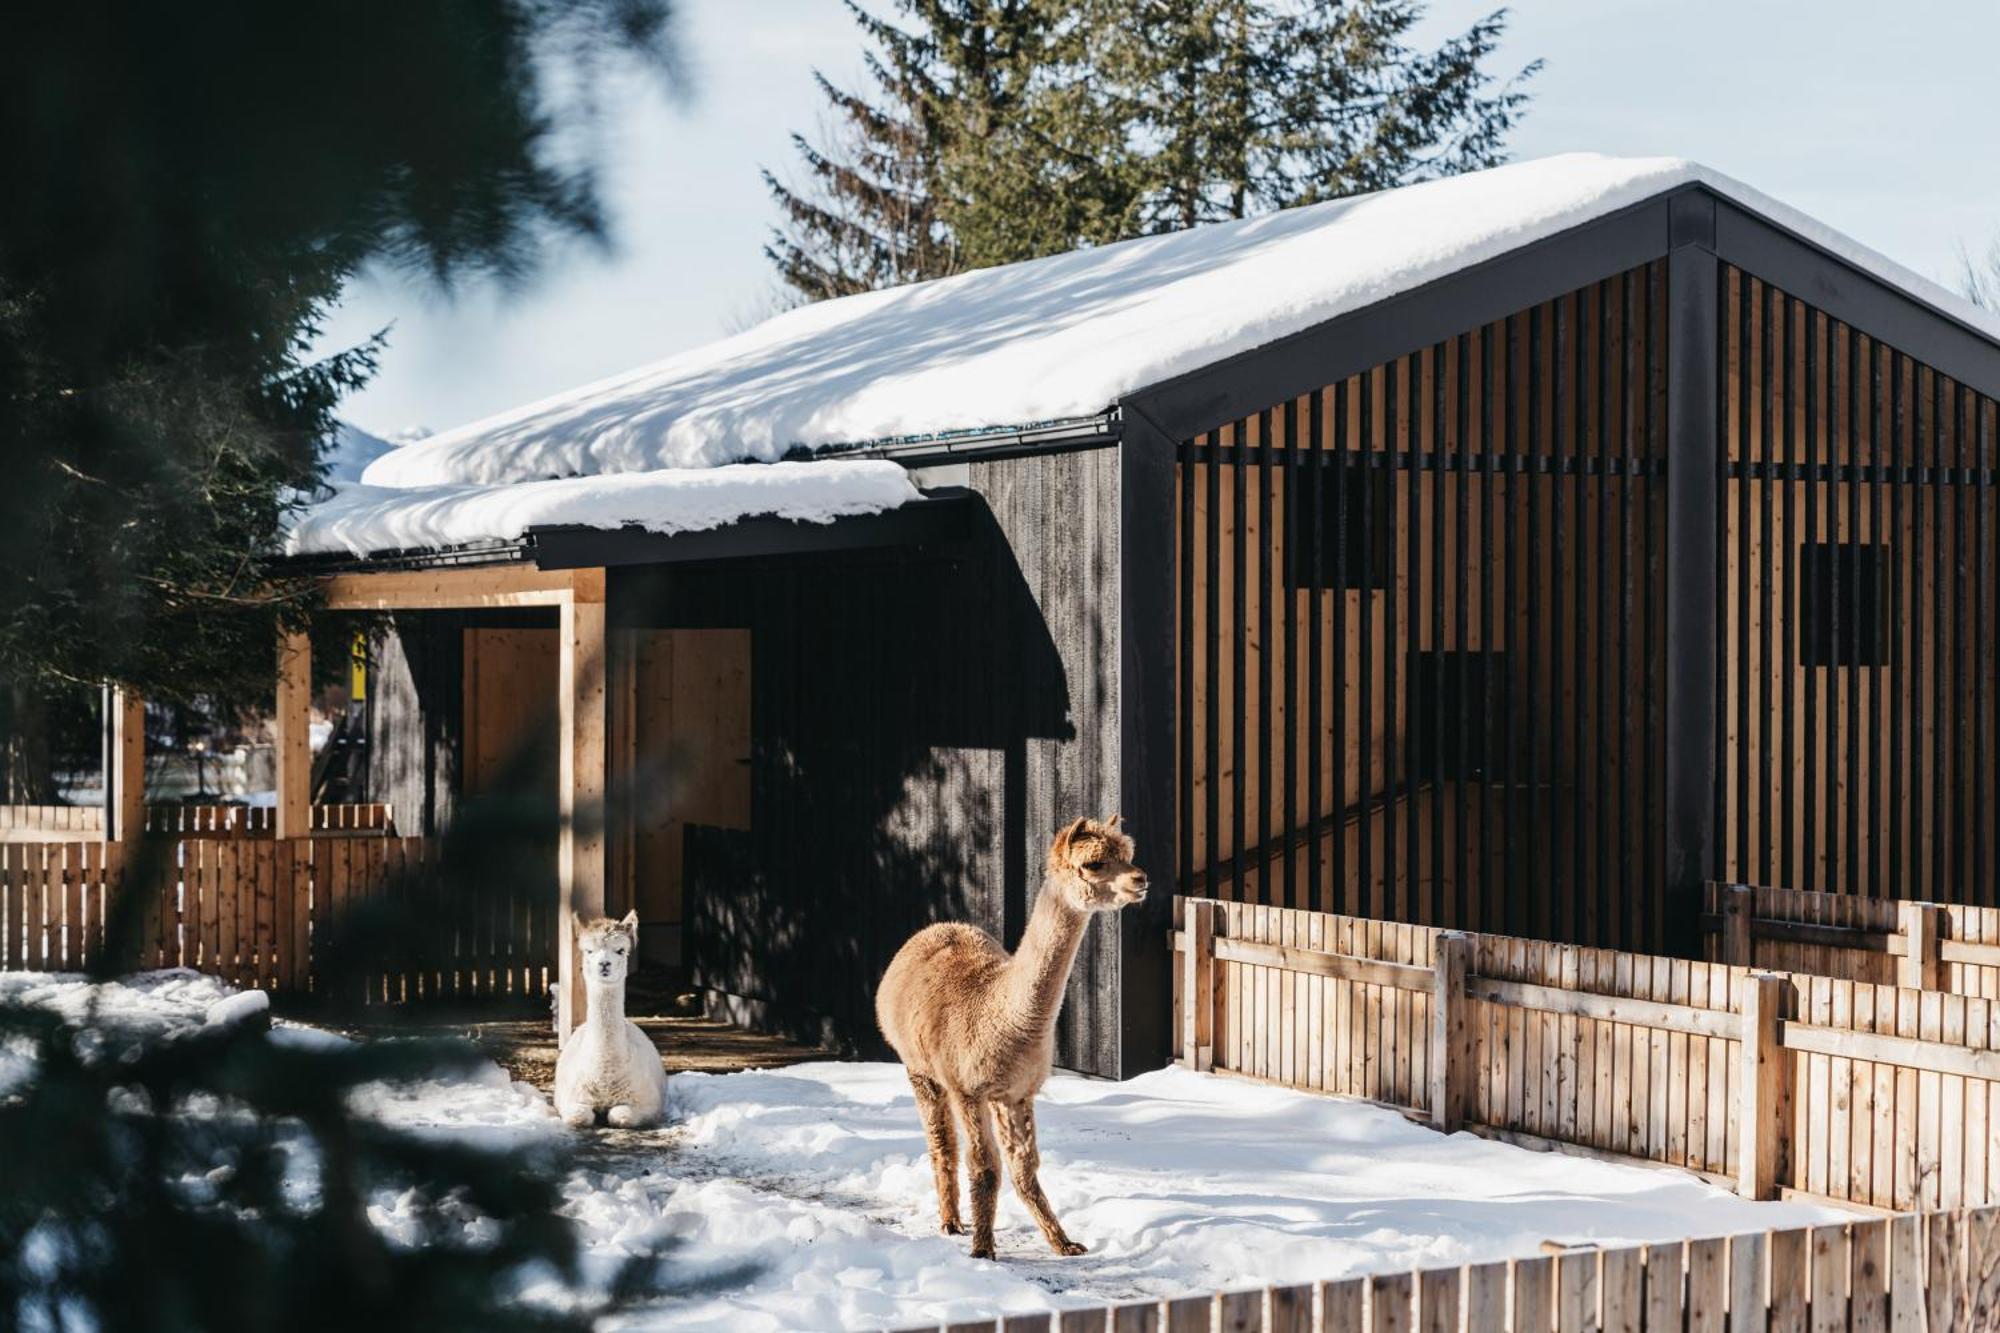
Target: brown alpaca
{"type": "Point", "coordinates": [976, 1028]}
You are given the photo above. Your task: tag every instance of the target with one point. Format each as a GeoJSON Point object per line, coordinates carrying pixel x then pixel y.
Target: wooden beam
{"type": "Point", "coordinates": [1919, 967]}
{"type": "Point", "coordinates": [1760, 1112]}
{"type": "Point", "coordinates": [1451, 1056]}
{"type": "Point", "coordinates": [580, 867]}
{"type": "Point", "coordinates": [455, 589]}
{"type": "Point", "coordinates": [1341, 967]}
{"type": "Point", "coordinates": [125, 795]}
{"type": "Point", "coordinates": [1934, 1057]}
{"type": "Point", "coordinates": [292, 722]}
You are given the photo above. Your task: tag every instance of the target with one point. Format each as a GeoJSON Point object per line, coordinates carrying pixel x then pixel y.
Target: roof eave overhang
{"type": "Point", "coordinates": [1687, 215]}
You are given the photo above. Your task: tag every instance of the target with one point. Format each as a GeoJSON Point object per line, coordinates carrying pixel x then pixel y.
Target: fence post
{"type": "Point", "coordinates": [1760, 1114]}
{"type": "Point", "coordinates": [1919, 968]}
{"type": "Point", "coordinates": [1738, 905]}
{"type": "Point", "coordinates": [1198, 986]}
{"type": "Point", "coordinates": [1451, 1065]}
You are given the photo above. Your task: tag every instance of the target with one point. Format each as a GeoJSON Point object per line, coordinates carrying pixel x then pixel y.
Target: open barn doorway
{"type": "Point", "coordinates": [679, 755]}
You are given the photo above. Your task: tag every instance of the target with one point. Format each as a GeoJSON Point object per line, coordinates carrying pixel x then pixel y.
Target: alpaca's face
{"type": "Point", "coordinates": [607, 947]}
{"type": "Point", "coordinates": [1093, 861]}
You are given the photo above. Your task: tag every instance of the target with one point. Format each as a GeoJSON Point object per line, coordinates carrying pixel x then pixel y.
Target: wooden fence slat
{"type": "Point", "coordinates": [1707, 1300]}
{"type": "Point", "coordinates": [1342, 1306]}
{"type": "Point", "coordinates": [1389, 1303]}
{"type": "Point", "coordinates": [1906, 1274]}
{"type": "Point", "coordinates": [1533, 1304]}
{"type": "Point", "coordinates": [1749, 1303]}
{"type": "Point", "coordinates": [1622, 1290]}
{"type": "Point", "coordinates": [1827, 1283]}
{"type": "Point", "coordinates": [1577, 1291]}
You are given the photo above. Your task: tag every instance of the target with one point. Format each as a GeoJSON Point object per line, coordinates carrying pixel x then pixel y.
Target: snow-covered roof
{"type": "Point", "coordinates": [360, 519]}
{"type": "Point", "coordinates": [1066, 336]}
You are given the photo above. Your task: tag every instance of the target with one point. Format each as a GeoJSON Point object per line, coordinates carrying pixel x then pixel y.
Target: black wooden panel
{"type": "Point", "coordinates": [922, 722]}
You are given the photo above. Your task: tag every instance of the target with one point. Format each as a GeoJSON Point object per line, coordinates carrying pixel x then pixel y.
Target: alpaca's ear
{"type": "Point", "coordinates": [1114, 821]}
{"type": "Point", "coordinates": [577, 923]}
{"type": "Point", "coordinates": [631, 921]}
{"type": "Point", "coordinates": [1069, 832]}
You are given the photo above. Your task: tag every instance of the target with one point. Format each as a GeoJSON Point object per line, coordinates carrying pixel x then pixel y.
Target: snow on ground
{"type": "Point", "coordinates": [1177, 1182]}
{"type": "Point", "coordinates": [359, 519]}
{"type": "Point", "coordinates": [1066, 336]}
{"type": "Point", "coordinates": [144, 1003]}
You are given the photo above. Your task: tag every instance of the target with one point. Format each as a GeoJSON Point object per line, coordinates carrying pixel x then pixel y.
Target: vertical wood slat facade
{"type": "Point", "coordinates": [1421, 621]}
{"type": "Point", "coordinates": [255, 911]}
{"type": "Point", "coordinates": [1463, 723]}
{"type": "Point", "coordinates": [1858, 615]}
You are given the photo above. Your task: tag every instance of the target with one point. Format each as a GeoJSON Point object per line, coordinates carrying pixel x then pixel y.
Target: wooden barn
{"type": "Point", "coordinates": [1519, 551]}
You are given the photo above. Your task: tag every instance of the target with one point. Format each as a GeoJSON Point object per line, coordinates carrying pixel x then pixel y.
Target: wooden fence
{"type": "Point", "coordinates": [1935, 1272]}
{"type": "Point", "coordinates": [255, 910]}
{"type": "Point", "coordinates": [1927, 946]}
{"type": "Point", "coordinates": [257, 821]}
{"type": "Point", "coordinates": [34, 823]}
{"type": "Point", "coordinates": [64, 823]}
{"type": "Point", "coordinates": [1776, 1084]}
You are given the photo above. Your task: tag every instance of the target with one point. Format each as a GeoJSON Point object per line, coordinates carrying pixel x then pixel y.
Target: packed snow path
{"type": "Point", "coordinates": [1177, 1182]}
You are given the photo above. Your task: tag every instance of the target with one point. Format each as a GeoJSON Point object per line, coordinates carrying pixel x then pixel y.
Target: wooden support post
{"type": "Point", "coordinates": [1198, 986]}
{"type": "Point", "coordinates": [1451, 1063]}
{"type": "Point", "coordinates": [1760, 1117]}
{"type": "Point", "coordinates": [292, 720]}
{"type": "Point", "coordinates": [1738, 902]}
{"type": "Point", "coordinates": [125, 789]}
{"type": "Point", "coordinates": [1920, 924]}
{"type": "Point", "coordinates": [580, 868]}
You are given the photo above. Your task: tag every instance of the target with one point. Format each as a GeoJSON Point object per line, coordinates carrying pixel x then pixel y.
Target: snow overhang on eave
{"type": "Point", "coordinates": [946, 517]}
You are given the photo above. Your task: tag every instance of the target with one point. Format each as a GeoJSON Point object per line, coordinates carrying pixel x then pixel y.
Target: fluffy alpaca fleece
{"type": "Point", "coordinates": [608, 1064]}
{"type": "Point", "coordinates": [976, 1028]}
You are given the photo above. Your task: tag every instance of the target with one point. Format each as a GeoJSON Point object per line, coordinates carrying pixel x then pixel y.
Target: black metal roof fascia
{"type": "Point", "coordinates": [1261, 377]}
{"type": "Point", "coordinates": [1059, 437]}
{"type": "Point", "coordinates": [415, 557]}
{"type": "Point", "coordinates": [944, 516]}
{"type": "Point", "coordinates": [1298, 363]}
{"type": "Point", "coordinates": [1801, 267]}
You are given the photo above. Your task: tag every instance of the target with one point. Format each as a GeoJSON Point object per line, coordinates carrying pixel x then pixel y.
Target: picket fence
{"type": "Point", "coordinates": [65, 823]}
{"type": "Point", "coordinates": [1774, 1084]}
{"type": "Point", "coordinates": [256, 911]}
{"type": "Point", "coordinates": [1909, 1274]}
{"type": "Point", "coordinates": [1948, 947]}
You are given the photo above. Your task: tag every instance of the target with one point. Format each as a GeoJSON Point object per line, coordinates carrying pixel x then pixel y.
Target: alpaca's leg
{"type": "Point", "coordinates": [621, 1116]}
{"type": "Point", "coordinates": [983, 1165]}
{"type": "Point", "coordinates": [1024, 1162]}
{"type": "Point", "coordinates": [942, 1137]}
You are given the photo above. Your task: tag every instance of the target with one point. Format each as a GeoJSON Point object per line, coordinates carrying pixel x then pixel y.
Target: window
{"type": "Point", "coordinates": [1342, 525]}
{"type": "Point", "coordinates": [1457, 701]}
{"type": "Point", "coordinates": [1841, 596]}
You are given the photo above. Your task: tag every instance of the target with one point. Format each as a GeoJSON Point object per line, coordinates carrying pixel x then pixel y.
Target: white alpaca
{"type": "Point", "coordinates": [608, 1064]}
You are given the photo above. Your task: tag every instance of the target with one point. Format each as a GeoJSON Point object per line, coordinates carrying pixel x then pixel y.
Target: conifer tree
{"type": "Point", "coordinates": [1020, 129]}
{"type": "Point", "coordinates": [187, 190]}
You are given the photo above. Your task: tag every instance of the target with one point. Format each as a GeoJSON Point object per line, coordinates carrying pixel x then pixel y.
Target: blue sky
{"type": "Point", "coordinates": [1878, 119]}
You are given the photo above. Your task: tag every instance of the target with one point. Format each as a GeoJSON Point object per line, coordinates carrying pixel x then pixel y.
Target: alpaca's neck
{"type": "Point", "coordinates": [604, 1003]}
{"type": "Point", "coordinates": [1040, 967]}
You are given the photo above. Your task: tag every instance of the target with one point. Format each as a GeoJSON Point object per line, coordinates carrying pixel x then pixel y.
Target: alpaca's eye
{"type": "Point", "coordinates": [1093, 866]}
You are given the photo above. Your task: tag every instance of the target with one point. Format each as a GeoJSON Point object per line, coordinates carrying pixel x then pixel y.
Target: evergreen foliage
{"type": "Point", "coordinates": [1000, 130]}
{"type": "Point", "coordinates": [188, 188]}
{"type": "Point", "coordinates": [221, 1180]}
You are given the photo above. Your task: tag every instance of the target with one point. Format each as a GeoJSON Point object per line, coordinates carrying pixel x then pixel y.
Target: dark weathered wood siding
{"type": "Point", "coordinates": [416, 711]}
{"type": "Point", "coordinates": [922, 722]}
